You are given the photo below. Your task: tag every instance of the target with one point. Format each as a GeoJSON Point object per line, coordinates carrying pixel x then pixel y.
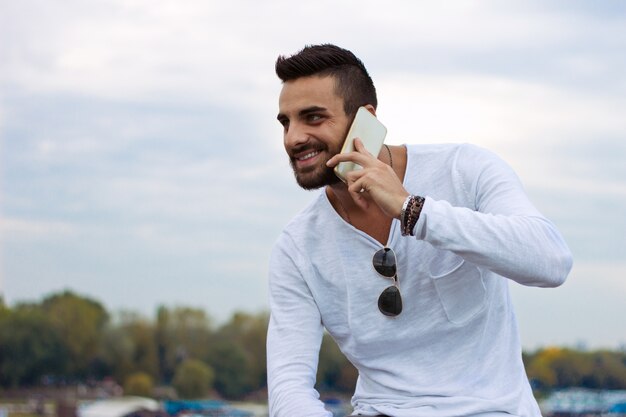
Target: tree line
{"type": "Point", "coordinates": [556, 368]}
{"type": "Point", "coordinates": [68, 338]}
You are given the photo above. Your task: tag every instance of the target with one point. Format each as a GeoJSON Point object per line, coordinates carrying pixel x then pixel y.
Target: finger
{"type": "Point", "coordinates": [359, 199]}
{"type": "Point", "coordinates": [360, 147]}
{"type": "Point", "coordinates": [362, 202]}
{"type": "Point", "coordinates": [358, 158]}
{"type": "Point", "coordinates": [356, 183]}
{"type": "Point", "coordinates": [360, 155]}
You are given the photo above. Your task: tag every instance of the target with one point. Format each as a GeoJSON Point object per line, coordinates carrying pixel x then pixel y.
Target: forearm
{"type": "Point", "coordinates": [291, 368]}
{"type": "Point", "coordinates": [293, 339]}
{"type": "Point", "coordinates": [527, 249]}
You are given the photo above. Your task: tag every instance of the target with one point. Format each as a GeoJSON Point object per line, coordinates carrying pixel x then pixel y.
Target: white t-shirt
{"type": "Point", "coordinates": [455, 349]}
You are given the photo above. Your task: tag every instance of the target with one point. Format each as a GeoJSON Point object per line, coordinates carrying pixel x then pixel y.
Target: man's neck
{"type": "Point", "coordinates": [371, 220]}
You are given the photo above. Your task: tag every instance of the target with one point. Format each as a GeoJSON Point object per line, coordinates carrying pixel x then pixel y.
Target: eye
{"type": "Point", "coordinates": [312, 118]}
{"type": "Point", "coordinates": [284, 122]}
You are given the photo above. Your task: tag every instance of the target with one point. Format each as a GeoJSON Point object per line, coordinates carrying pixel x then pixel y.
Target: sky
{"type": "Point", "coordinates": [141, 163]}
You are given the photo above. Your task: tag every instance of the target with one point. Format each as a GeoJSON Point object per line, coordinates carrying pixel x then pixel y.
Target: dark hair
{"type": "Point", "coordinates": [352, 82]}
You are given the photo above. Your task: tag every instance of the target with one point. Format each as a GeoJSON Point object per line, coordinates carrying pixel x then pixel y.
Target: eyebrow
{"type": "Point", "coordinates": [312, 109]}
{"type": "Point", "coordinates": [303, 112]}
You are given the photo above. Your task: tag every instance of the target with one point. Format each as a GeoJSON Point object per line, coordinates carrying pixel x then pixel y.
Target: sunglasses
{"type": "Point", "coordinates": [389, 301]}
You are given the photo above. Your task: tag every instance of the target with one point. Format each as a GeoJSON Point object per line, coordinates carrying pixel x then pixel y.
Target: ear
{"type": "Point", "coordinates": [371, 109]}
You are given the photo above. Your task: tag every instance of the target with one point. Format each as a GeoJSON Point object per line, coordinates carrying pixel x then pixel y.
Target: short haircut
{"type": "Point", "coordinates": [352, 82]}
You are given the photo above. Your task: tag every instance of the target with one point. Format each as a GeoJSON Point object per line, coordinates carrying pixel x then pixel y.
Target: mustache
{"type": "Point", "coordinates": [306, 148]}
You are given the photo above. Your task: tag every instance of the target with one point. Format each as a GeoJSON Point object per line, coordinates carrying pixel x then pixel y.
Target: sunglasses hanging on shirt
{"type": "Point", "coordinates": [389, 301]}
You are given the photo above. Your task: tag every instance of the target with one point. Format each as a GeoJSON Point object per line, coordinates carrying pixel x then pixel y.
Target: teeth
{"type": "Point", "coordinates": [307, 156]}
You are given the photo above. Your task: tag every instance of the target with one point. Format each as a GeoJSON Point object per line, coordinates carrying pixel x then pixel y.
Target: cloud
{"type": "Point", "coordinates": [209, 51]}
{"type": "Point", "coordinates": [35, 229]}
{"type": "Point", "coordinates": [493, 110]}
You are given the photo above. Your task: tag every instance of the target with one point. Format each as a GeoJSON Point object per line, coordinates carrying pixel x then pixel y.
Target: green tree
{"type": "Point", "coordinates": [539, 368]}
{"type": "Point", "coordinates": [347, 378]}
{"type": "Point", "coordinates": [572, 367]}
{"type": "Point", "coordinates": [116, 349]}
{"type": "Point", "coordinates": [4, 310]}
{"type": "Point", "coordinates": [555, 367]}
{"type": "Point", "coordinates": [79, 321]}
{"type": "Point", "coordinates": [608, 370]}
{"type": "Point", "coordinates": [29, 347]}
{"type": "Point", "coordinates": [139, 383]}
{"type": "Point", "coordinates": [130, 346]}
{"type": "Point", "coordinates": [145, 355]}
{"type": "Point", "coordinates": [232, 369]}
{"type": "Point", "coordinates": [193, 379]}
{"type": "Point", "coordinates": [333, 370]}
{"type": "Point", "coordinates": [180, 333]}
{"type": "Point", "coordinates": [249, 333]}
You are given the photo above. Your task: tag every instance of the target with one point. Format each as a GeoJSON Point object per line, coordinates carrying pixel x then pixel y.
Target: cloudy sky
{"type": "Point", "coordinates": [141, 162]}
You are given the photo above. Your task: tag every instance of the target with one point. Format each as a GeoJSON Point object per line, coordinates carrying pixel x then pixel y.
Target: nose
{"type": "Point", "coordinates": [295, 135]}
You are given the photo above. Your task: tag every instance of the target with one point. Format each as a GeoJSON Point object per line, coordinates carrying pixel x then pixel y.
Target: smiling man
{"type": "Point", "coordinates": [406, 265]}
{"type": "Point", "coordinates": [308, 157]}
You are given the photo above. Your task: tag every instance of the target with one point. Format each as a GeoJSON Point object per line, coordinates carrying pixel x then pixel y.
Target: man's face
{"type": "Point", "coordinates": [315, 126]}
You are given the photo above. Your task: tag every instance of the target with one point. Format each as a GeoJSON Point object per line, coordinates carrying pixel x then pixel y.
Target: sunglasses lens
{"type": "Point", "coordinates": [390, 302]}
{"type": "Point", "coordinates": [385, 262]}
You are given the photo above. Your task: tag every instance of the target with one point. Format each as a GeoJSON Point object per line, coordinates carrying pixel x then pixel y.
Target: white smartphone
{"type": "Point", "coordinates": [366, 127]}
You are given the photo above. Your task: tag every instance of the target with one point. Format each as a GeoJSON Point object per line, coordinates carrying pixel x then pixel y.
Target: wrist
{"type": "Point", "coordinates": [410, 213]}
{"type": "Point", "coordinates": [405, 203]}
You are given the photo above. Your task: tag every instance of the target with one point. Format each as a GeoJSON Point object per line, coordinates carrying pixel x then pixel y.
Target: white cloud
{"type": "Point", "coordinates": [220, 51]}
{"type": "Point", "coordinates": [493, 110]}
{"type": "Point", "coordinates": [37, 230]}
{"type": "Point", "coordinates": [539, 129]}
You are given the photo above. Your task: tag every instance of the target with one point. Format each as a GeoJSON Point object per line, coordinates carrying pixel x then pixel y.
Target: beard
{"type": "Point", "coordinates": [317, 176]}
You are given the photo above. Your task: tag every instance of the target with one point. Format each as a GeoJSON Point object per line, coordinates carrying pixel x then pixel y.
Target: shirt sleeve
{"type": "Point", "coordinates": [294, 338]}
{"type": "Point", "coordinates": [503, 231]}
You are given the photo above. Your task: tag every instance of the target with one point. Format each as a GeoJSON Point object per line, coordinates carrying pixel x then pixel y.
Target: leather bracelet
{"type": "Point", "coordinates": [403, 211]}
{"type": "Point", "coordinates": [410, 214]}
{"type": "Point", "coordinates": [405, 215]}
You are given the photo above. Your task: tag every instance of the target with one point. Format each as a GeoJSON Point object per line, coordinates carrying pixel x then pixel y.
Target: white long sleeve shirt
{"type": "Point", "coordinates": [455, 349]}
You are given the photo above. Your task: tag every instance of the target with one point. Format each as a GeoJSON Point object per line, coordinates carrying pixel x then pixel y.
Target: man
{"type": "Point", "coordinates": [407, 265]}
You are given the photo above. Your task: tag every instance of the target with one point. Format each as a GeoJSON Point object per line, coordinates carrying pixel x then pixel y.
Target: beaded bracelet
{"type": "Point", "coordinates": [410, 213]}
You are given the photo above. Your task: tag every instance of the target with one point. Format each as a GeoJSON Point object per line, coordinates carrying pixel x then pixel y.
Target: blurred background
{"type": "Point", "coordinates": [141, 164]}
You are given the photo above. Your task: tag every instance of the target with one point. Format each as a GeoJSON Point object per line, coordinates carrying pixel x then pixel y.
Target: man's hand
{"type": "Point", "coordinates": [377, 181]}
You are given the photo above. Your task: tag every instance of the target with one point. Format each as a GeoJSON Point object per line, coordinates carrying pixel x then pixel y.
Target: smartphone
{"type": "Point", "coordinates": [366, 127]}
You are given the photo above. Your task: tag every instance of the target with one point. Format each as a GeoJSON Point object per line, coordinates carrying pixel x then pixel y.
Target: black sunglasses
{"type": "Point", "coordinates": [389, 301]}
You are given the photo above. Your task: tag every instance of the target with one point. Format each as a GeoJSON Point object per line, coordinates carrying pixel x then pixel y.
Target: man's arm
{"type": "Point", "coordinates": [504, 232]}
{"type": "Point", "coordinates": [293, 339]}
